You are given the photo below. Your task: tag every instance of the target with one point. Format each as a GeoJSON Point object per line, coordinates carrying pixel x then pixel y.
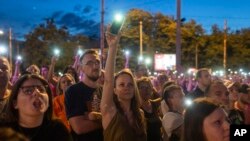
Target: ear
{"type": "Point", "coordinates": [15, 104]}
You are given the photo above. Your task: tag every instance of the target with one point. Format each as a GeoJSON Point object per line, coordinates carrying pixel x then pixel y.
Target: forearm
{"type": "Point", "coordinates": [83, 125]}
{"type": "Point", "coordinates": [107, 97]}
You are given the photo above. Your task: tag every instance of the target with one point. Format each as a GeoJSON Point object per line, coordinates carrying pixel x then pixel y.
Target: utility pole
{"type": "Point", "coordinates": [102, 34]}
{"type": "Point", "coordinates": [225, 47]}
{"type": "Point", "coordinates": [141, 48]}
{"type": "Point", "coordinates": [10, 47]}
{"type": "Point", "coordinates": [178, 37]}
{"type": "Point", "coordinates": [196, 56]}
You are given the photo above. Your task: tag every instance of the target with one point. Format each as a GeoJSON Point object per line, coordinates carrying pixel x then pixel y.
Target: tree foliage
{"type": "Point", "coordinates": [159, 36]}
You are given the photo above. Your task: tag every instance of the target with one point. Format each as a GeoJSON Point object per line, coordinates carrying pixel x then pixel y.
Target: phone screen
{"type": "Point", "coordinates": [116, 26]}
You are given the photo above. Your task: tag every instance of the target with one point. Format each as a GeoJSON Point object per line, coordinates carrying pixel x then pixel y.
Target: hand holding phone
{"type": "Point", "coordinates": [117, 24]}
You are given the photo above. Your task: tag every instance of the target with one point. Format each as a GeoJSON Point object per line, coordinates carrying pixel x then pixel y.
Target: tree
{"type": "Point", "coordinates": [43, 39]}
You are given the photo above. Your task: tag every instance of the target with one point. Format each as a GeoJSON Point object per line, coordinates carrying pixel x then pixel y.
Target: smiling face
{"type": "Point", "coordinates": [216, 126]}
{"type": "Point", "coordinates": [32, 98]}
{"type": "Point", "coordinates": [124, 87]}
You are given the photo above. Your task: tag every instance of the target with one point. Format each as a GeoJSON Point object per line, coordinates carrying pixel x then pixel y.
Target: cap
{"type": "Point", "coordinates": [244, 88]}
{"type": "Point", "coordinates": [171, 121]}
{"type": "Point", "coordinates": [228, 83]}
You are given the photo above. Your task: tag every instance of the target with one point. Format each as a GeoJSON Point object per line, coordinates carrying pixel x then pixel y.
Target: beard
{"type": "Point", "coordinates": [93, 77]}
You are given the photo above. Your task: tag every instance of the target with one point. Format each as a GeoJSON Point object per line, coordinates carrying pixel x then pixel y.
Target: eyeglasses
{"type": "Point", "coordinates": [29, 90]}
{"type": "Point", "coordinates": [92, 63]}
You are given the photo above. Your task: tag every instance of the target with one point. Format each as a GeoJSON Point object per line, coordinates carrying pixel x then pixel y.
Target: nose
{"type": "Point", "coordinates": [35, 92]}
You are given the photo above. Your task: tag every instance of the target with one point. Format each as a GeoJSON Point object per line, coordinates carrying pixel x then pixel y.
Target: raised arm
{"type": "Point", "coordinates": [51, 70]}
{"type": "Point", "coordinates": [17, 72]}
{"type": "Point", "coordinates": [108, 109]}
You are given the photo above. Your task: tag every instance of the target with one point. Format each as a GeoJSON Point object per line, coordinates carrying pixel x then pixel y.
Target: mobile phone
{"type": "Point", "coordinates": [116, 26]}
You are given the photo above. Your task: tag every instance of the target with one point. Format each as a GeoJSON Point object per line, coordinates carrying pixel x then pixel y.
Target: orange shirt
{"type": "Point", "coordinates": [59, 110]}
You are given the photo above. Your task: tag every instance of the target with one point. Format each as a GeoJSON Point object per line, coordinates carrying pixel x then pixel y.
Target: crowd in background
{"type": "Point", "coordinates": [128, 105]}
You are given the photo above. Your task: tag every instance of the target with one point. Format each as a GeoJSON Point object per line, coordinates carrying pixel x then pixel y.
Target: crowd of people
{"type": "Point", "coordinates": [124, 105]}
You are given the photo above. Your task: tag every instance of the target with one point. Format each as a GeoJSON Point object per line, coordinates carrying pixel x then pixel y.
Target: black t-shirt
{"type": "Point", "coordinates": [153, 124]}
{"type": "Point", "coordinates": [53, 130]}
{"type": "Point", "coordinates": [197, 93]}
{"type": "Point", "coordinates": [78, 99]}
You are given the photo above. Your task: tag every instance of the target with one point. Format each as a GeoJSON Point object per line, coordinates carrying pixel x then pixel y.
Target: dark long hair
{"type": "Point", "coordinates": [13, 115]}
{"type": "Point", "coordinates": [194, 117]}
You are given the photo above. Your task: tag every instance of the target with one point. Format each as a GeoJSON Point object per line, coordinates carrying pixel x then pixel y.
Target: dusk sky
{"type": "Point", "coordinates": [23, 15]}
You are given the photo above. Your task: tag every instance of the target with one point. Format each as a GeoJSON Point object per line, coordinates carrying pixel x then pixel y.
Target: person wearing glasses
{"type": "Point", "coordinates": [79, 97]}
{"type": "Point", "coordinates": [30, 111]}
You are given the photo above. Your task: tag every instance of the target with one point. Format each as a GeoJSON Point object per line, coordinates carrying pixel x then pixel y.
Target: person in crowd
{"type": "Point", "coordinates": [141, 70]}
{"type": "Point", "coordinates": [5, 74]}
{"type": "Point", "coordinates": [34, 69]}
{"type": "Point", "coordinates": [172, 120]}
{"type": "Point", "coordinates": [122, 118]}
{"type": "Point", "coordinates": [243, 104]}
{"type": "Point", "coordinates": [58, 102]}
{"type": "Point", "coordinates": [164, 108]}
{"type": "Point", "coordinates": [30, 110]}
{"type": "Point", "coordinates": [78, 100]}
{"type": "Point", "coordinates": [203, 78]}
{"type": "Point", "coordinates": [233, 88]}
{"type": "Point", "coordinates": [205, 120]}
{"type": "Point", "coordinates": [69, 69]}
{"type": "Point", "coordinates": [8, 134]}
{"type": "Point", "coordinates": [150, 108]}
{"type": "Point", "coordinates": [161, 80]}
{"type": "Point", "coordinates": [219, 92]}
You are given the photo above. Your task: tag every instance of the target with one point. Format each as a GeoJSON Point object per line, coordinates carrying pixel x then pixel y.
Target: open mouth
{"type": "Point", "coordinates": [37, 104]}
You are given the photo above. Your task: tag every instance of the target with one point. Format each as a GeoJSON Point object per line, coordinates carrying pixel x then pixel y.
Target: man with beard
{"type": "Point", "coordinates": [78, 100]}
{"type": "Point", "coordinates": [5, 73]}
